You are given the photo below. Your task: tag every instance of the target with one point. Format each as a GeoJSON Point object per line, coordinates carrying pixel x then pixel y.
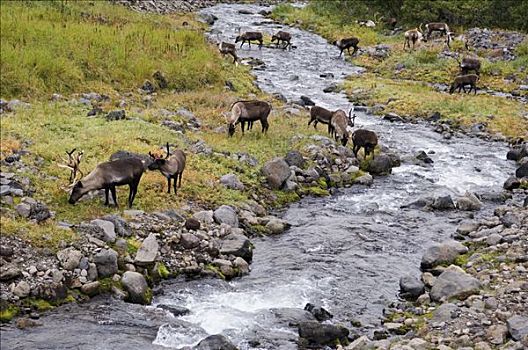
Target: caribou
{"type": "Point", "coordinates": [283, 37]}
{"type": "Point", "coordinates": [415, 36]}
{"type": "Point", "coordinates": [346, 44]}
{"type": "Point", "coordinates": [249, 37]}
{"type": "Point", "coordinates": [247, 112]}
{"type": "Point", "coordinates": [365, 139]}
{"type": "Point", "coordinates": [171, 166]}
{"type": "Point", "coordinates": [462, 81]}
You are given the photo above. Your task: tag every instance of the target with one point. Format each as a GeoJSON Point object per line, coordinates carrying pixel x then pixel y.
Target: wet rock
{"type": "Point", "coordinates": [319, 312]}
{"type": "Point", "coordinates": [69, 258]}
{"type": "Point", "coordinates": [279, 96]}
{"type": "Point", "coordinates": [365, 180]}
{"type": "Point", "coordinates": [6, 250]}
{"type": "Point", "coordinates": [381, 165]}
{"type": "Point", "coordinates": [24, 322]}
{"type": "Point", "coordinates": [307, 101]}
{"type": "Point", "coordinates": [175, 310]}
{"type": "Point", "coordinates": [454, 283]}
{"type": "Point", "coordinates": [393, 117]}
{"type": "Point", "coordinates": [522, 171]}
{"type": "Point", "coordinates": [192, 224]}
{"type": "Point", "coordinates": [116, 115]}
{"type": "Point", "coordinates": [237, 245]}
{"type": "Point", "coordinates": [9, 272]}
{"type": "Point", "coordinates": [207, 18]}
{"type": "Point", "coordinates": [241, 265]}
{"type": "Point", "coordinates": [189, 241]}
{"type": "Point", "coordinates": [469, 202]}
{"type": "Point", "coordinates": [22, 289]}
{"type": "Point", "coordinates": [226, 215]}
{"type": "Point", "coordinates": [444, 253]}
{"type": "Point", "coordinates": [91, 288]}
{"type": "Point", "coordinates": [295, 158]}
{"type": "Point", "coordinates": [107, 230]}
{"type": "Point", "coordinates": [331, 88]}
{"type": "Point", "coordinates": [205, 216]}
{"type": "Point", "coordinates": [411, 287]}
{"type": "Point", "coordinates": [422, 156]}
{"type": "Point", "coordinates": [106, 262]}
{"type": "Point", "coordinates": [231, 181]}
{"type": "Point", "coordinates": [512, 183]}
{"type": "Point", "coordinates": [148, 251]}
{"type": "Point", "coordinates": [276, 226]}
{"type": "Point", "coordinates": [443, 203]}
{"type": "Point", "coordinates": [467, 227]}
{"type": "Point", "coordinates": [317, 334]}
{"type": "Point", "coordinates": [215, 342]}
{"type": "Point", "coordinates": [276, 171]}
{"type": "Point", "coordinates": [137, 288]}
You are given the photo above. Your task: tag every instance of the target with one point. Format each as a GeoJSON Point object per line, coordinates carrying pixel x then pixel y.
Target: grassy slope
{"type": "Point", "coordinates": [413, 98]}
{"type": "Point", "coordinates": [198, 77]}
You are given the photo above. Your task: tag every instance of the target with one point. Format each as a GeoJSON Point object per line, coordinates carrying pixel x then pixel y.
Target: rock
{"type": "Point", "coordinates": [512, 183]}
{"type": "Point", "coordinates": [39, 212]}
{"type": "Point", "coordinates": [215, 342]}
{"type": "Point", "coordinates": [148, 87]}
{"type": "Point", "coordinates": [160, 79]}
{"type": "Point", "coordinates": [319, 312]}
{"type": "Point", "coordinates": [359, 344]}
{"type": "Point", "coordinates": [189, 241]}
{"type": "Point", "coordinates": [411, 287]}
{"type": "Point", "coordinates": [24, 210]}
{"type": "Point", "coordinates": [522, 171]}
{"type": "Point", "coordinates": [69, 258]}
{"type": "Point", "coordinates": [496, 334]}
{"type": "Point", "coordinates": [6, 250]}
{"type": "Point", "coordinates": [207, 18]}
{"type": "Point", "coordinates": [148, 251]}
{"type": "Point", "coordinates": [365, 180]}
{"type": "Point", "coordinates": [225, 267]}
{"type": "Point", "coordinates": [241, 265]}
{"type": "Point", "coordinates": [307, 101]}
{"type": "Point", "coordinates": [106, 262]}
{"type": "Point", "coordinates": [467, 227]}
{"type": "Point", "coordinates": [445, 313]}
{"type": "Point", "coordinates": [192, 224]}
{"type": "Point", "coordinates": [116, 115]}
{"type": "Point", "coordinates": [443, 203]}
{"type": "Point", "coordinates": [279, 96]}
{"type": "Point", "coordinates": [276, 226]}
{"type": "Point", "coordinates": [237, 245]}
{"type": "Point", "coordinates": [231, 181]}
{"type": "Point", "coordinates": [510, 219]}
{"type": "Point", "coordinates": [393, 117]}
{"type": "Point", "coordinates": [295, 158]}
{"type": "Point", "coordinates": [108, 230]}
{"type": "Point", "coordinates": [226, 215]}
{"type": "Point", "coordinates": [276, 171]}
{"type": "Point", "coordinates": [205, 216]}
{"type": "Point", "coordinates": [380, 165]}
{"type": "Point", "coordinates": [444, 253]}
{"type": "Point", "coordinates": [9, 272]}
{"type": "Point", "coordinates": [493, 239]}
{"type": "Point", "coordinates": [22, 289]}
{"type": "Point", "coordinates": [91, 288]}
{"type": "Point", "coordinates": [136, 286]}
{"type": "Point", "coordinates": [518, 327]}
{"type": "Point", "coordinates": [469, 202]}
{"type": "Point", "coordinates": [175, 310]}
{"type": "Point", "coordinates": [121, 227]}
{"type": "Point", "coordinates": [454, 283]}
{"type": "Point", "coordinates": [331, 88]}
{"type": "Point", "coordinates": [422, 156]}
{"type": "Point", "coordinates": [24, 322]}
{"type": "Point", "coordinates": [318, 334]}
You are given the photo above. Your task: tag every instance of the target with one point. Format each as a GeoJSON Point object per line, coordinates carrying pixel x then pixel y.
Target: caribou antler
{"type": "Point", "coordinates": [72, 163]}
{"type": "Point", "coordinates": [168, 152]}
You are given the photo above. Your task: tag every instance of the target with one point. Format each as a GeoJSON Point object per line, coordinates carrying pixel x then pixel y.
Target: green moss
{"type": "Point", "coordinates": [38, 304]}
{"type": "Point", "coordinates": [163, 271]}
{"type": "Point", "coordinates": [133, 245]}
{"type": "Point", "coordinates": [148, 297]}
{"type": "Point", "coordinates": [315, 191]}
{"type": "Point", "coordinates": [216, 270]}
{"type": "Point", "coordinates": [8, 313]}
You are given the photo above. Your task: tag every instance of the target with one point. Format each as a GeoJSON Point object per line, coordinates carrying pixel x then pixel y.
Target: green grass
{"type": "Point", "coordinates": [406, 87]}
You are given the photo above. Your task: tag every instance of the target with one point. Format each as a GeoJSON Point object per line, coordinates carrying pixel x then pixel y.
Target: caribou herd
{"type": "Point", "coordinates": [129, 170]}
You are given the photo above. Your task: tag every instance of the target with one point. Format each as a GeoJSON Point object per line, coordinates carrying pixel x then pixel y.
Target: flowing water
{"type": "Point", "coordinates": [345, 252]}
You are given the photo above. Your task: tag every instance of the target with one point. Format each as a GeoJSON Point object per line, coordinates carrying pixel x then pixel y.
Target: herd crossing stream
{"type": "Point", "coordinates": [345, 252]}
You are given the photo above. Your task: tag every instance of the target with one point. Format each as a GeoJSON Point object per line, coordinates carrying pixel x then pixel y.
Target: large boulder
{"type": "Point", "coordinates": [518, 327]}
{"type": "Point", "coordinates": [411, 287]}
{"type": "Point", "coordinates": [215, 342]}
{"type": "Point", "coordinates": [276, 171]}
{"type": "Point", "coordinates": [511, 183]}
{"type": "Point", "coordinates": [320, 313]}
{"type": "Point", "coordinates": [443, 203]}
{"type": "Point", "coordinates": [148, 251]}
{"type": "Point", "coordinates": [231, 181]}
{"type": "Point", "coordinates": [318, 334]}
{"type": "Point", "coordinates": [137, 288]}
{"type": "Point", "coordinates": [204, 216]}
{"type": "Point", "coordinates": [237, 245]}
{"type": "Point", "coordinates": [454, 283]}
{"type": "Point", "coordinates": [294, 158]}
{"type": "Point", "coordinates": [380, 165]}
{"type": "Point", "coordinates": [442, 254]}
{"type": "Point", "coordinates": [106, 262]}
{"type": "Point", "coordinates": [522, 171]}
{"type": "Point", "coordinates": [69, 258]}
{"type": "Point", "coordinates": [107, 232]}
{"type": "Point", "coordinates": [226, 215]}
{"type": "Point", "coordinates": [469, 202]}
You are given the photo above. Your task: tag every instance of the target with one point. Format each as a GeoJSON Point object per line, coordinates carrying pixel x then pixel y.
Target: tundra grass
{"type": "Point", "coordinates": [402, 75]}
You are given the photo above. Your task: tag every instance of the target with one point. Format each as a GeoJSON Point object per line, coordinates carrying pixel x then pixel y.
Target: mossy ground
{"type": "Point", "coordinates": [408, 88]}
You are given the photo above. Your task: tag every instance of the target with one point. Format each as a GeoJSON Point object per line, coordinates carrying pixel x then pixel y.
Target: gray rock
{"type": "Point", "coordinates": [5, 190]}
{"type": "Point", "coordinates": [116, 115]}
{"type": "Point", "coordinates": [467, 227]}
{"type": "Point", "coordinates": [22, 289]}
{"type": "Point", "coordinates": [411, 287]}
{"type": "Point", "coordinates": [510, 219]}
{"type": "Point", "coordinates": [365, 180]}
{"type": "Point", "coordinates": [91, 288]}
{"type": "Point", "coordinates": [69, 258]}
{"type": "Point", "coordinates": [320, 313]}
{"type": "Point", "coordinates": [108, 230]}
{"type": "Point", "coordinates": [454, 283]}
{"type": "Point", "coordinates": [148, 251]}
{"type": "Point", "coordinates": [207, 18]}
{"type": "Point", "coordinates": [393, 117]}
{"type": "Point", "coordinates": [469, 202]}
{"type": "Point", "coordinates": [6, 250]}
{"type": "Point", "coordinates": [237, 245]}
{"type": "Point", "coordinates": [175, 310]}
{"type": "Point", "coordinates": [290, 186]}
{"type": "Point", "coordinates": [307, 101]}
{"type": "Point", "coordinates": [318, 334]}
{"type": "Point", "coordinates": [215, 342]}
{"type": "Point", "coordinates": [381, 165]}
{"type": "Point", "coordinates": [120, 225]}
{"type": "Point", "coordinates": [443, 203]}
{"type": "Point", "coordinates": [518, 327]}
{"type": "Point", "coordinates": [189, 241]}
{"type": "Point", "coordinates": [24, 210]}
{"type": "Point", "coordinates": [276, 226]}
{"type": "Point", "coordinates": [331, 88]}
{"type": "Point", "coordinates": [493, 239]}
{"type": "Point", "coordinates": [445, 313]}
{"type": "Point", "coordinates": [136, 286]}
{"type": "Point", "coordinates": [106, 262]}
{"type": "Point", "coordinates": [9, 272]}
{"type": "Point", "coordinates": [192, 224]}
{"type": "Point", "coordinates": [276, 171]}
{"type": "Point", "coordinates": [226, 215]}
{"type": "Point", "coordinates": [205, 216]}
{"type": "Point", "coordinates": [512, 183]}
{"type": "Point", "coordinates": [241, 265]}
{"type": "Point", "coordinates": [231, 181]}
{"type": "Point", "coordinates": [444, 253]}
{"type": "Point", "coordinates": [225, 267]}
{"type": "Point", "coordinates": [522, 171]}
{"type": "Point", "coordinates": [496, 334]}
{"type": "Point", "coordinates": [295, 158]}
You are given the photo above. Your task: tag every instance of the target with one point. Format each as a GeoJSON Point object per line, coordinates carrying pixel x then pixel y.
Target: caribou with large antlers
{"type": "Point", "coordinates": [172, 167]}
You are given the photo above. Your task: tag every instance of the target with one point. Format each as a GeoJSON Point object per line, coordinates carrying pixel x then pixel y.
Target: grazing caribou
{"type": "Point", "coordinates": [228, 49]}
{"type": "Point", "coordinates": [462, 81]}
{"type": "Point", "coordinates": [172, 167]}
{"type": "Point", "coordinates": [365, 139]}
{"type": "Point", "coordinates": [247, 112]}
{"type": "Point", "coordinates": [469, 64]}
